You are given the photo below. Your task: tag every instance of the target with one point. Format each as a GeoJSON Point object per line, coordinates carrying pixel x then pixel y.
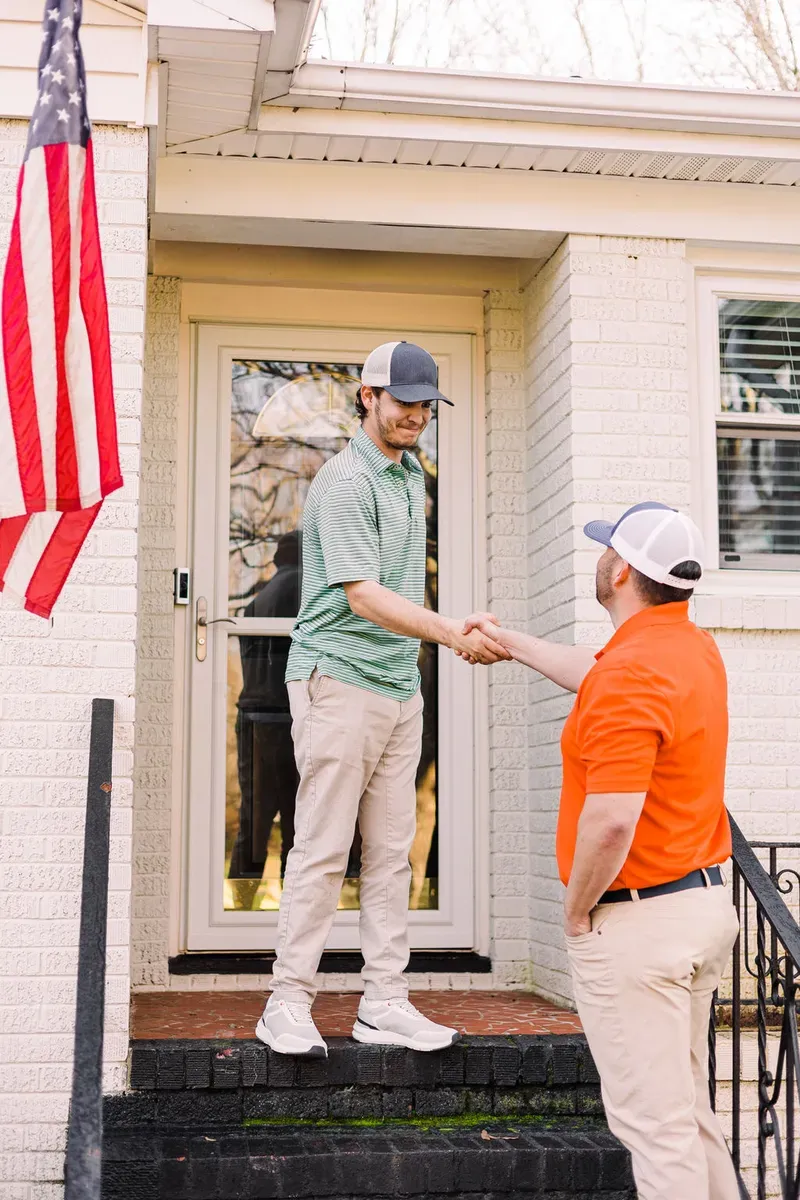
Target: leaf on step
{"type": "Point", "coordinates": [498, 1137]}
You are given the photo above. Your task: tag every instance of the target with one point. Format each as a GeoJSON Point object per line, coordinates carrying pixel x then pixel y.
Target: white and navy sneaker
{"type": "Point", "coordinates": [287, 1027]}
{"type": "Point", "coordinates": [398, 1023]}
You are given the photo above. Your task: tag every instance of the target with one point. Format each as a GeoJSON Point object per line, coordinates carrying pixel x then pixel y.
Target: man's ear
{"type": "Point", "coordinates": [622, 573]}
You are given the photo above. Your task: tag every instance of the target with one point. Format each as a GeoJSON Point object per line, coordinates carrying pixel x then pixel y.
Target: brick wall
{"type": "Point", "coordinates": [152, 804]}
{"type": "Point", "coordinates": [49, 671]}
{"type": "Point", "coordinates": [550, 594]}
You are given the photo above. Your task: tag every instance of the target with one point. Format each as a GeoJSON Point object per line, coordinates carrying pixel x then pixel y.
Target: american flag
{"type": "Point", "coordinates": [58, 434]}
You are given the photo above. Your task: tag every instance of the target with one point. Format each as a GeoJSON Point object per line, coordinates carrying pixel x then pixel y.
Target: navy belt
{"type": "Point", "coordinates": [710, 877]}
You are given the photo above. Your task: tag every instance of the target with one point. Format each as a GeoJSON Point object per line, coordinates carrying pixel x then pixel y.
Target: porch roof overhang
{"type": "Point", "coordinates": [258, 145]}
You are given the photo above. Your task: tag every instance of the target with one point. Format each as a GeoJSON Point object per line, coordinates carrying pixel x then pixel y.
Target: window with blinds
{"type": "Point", "coordinates": [758, 434]}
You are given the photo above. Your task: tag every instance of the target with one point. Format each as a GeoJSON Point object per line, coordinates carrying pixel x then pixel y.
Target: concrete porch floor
{"type": "Point", "coordinates": [182, 1014]}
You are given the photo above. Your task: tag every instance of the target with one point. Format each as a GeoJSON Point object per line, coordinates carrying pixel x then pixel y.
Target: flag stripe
{"type": "Point", "coordinates": [57, 166]}
{"type": "Point", "coordinates": [18, 359]}
{"type": "Point", "coordinates": [56, 559]}
{"type": "Point", "coordinates": [28, 550]}
{"type": "Point", "coordinates": [12, 498]}
{"type": "Point", "coordinates": [95, 310]}
{"type": "Point", "coordinates": [11, 530]}
{"type": "Point", "coordinates": [78, 351]}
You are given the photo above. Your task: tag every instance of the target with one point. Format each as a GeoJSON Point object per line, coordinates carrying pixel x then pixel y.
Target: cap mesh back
{"type": "Point", "coordinates": [655, 541]}
{"type": "Point", "coordinates": [377, 368]}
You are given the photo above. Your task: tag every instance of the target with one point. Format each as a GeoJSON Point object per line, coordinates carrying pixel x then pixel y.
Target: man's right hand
{"type": "Point", "coordinates": [475, 646]}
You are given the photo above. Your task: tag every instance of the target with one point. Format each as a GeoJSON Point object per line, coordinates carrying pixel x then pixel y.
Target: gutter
{"type": "Point", "coordinates": [377, 88]}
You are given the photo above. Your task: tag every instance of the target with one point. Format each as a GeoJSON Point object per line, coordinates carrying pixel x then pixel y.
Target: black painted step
{"type": "Point", "coordinates": [341, 1164]}
{"type": "Point", "coordinates": [192, 1084]}
{"type": "Point", "coordinates": [234, 1121]}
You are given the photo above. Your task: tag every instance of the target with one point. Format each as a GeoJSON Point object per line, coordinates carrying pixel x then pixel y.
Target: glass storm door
{"type": "Point", "coordinates": [272, 405]}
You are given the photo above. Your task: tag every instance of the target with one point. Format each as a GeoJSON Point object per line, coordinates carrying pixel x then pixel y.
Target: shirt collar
{"type": "Point", "coordinates": [648, 618]}
{"type": "Point", "coordinates": [376, 459]}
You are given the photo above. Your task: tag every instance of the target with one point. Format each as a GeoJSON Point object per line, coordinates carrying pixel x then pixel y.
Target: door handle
{"type": "Point", "coordinates": [201, 623]}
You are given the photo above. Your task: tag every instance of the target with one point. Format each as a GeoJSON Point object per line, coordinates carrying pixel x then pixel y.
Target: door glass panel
{"type": "Point", "coordinates": [287, 419]}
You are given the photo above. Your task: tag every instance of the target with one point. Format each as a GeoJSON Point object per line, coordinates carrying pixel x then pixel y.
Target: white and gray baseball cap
{"type": "Point", "coordinates": [654, 539]}
{"type": "Point", "coordinates": [406, 371]}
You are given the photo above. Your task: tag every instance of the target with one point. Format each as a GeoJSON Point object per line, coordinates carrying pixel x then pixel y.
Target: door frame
{"type": "Point", "coordinates": [308, 338]}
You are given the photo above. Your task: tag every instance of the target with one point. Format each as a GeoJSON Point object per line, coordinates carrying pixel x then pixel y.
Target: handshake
{"type": "Point", "coordinates": [479, 640]}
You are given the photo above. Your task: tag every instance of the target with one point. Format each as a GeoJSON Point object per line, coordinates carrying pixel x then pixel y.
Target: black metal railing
{"type": "Point", "coordinates": [764, 999]}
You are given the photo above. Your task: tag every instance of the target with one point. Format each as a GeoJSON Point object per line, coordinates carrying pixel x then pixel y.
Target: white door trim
{"type": "Point", "coordinates": [454, 924]}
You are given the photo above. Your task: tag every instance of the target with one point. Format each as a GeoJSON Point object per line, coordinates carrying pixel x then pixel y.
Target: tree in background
{"type": "Point", "coordinates": [720, 43]}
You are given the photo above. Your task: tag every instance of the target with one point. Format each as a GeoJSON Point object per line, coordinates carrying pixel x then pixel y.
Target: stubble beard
{"type": "Point", "coordinates": [386, 429]}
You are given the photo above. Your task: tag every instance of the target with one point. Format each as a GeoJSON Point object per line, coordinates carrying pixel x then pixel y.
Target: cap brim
{"type": "Point", "coordinates": [599, 531]}
{"type": "Point", "coordinates": [416, 393]}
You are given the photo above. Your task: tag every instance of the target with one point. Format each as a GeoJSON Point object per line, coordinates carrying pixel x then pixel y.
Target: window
{"type": "Point", "coordinates": [758, 433]}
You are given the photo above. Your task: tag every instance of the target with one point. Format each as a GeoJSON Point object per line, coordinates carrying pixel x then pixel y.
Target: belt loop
{"type": "Point", "coordinates": [706, 877]}
{"type": "Point", "coordinates": [634, 893]}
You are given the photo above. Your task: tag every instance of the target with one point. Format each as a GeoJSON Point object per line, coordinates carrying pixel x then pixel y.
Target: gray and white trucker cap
{"type": "Point", "coordinates": [654, 539]}
{"type": "Point", "coordinates": [407, 372]}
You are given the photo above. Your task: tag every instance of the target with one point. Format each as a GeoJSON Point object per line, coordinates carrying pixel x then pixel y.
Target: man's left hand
{"type": "Point", "coordinates": [575, 926]}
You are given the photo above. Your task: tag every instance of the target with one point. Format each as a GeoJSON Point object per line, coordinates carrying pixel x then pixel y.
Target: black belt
{"type": "Point", "coordinates": [710, 877]}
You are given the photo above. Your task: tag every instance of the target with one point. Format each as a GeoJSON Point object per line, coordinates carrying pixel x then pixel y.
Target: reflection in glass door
{"type": "Point", "coordinates": [287, 418]}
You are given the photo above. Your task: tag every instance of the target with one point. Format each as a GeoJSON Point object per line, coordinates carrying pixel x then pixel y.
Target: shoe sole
{"type": "Point", "coordinates": [263, 1034]}
{"type": "Point", "coordinates": [380, 1037]}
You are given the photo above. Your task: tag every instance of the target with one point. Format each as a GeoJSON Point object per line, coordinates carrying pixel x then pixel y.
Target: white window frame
{"type": "Point", "coordinates": [709, 288]}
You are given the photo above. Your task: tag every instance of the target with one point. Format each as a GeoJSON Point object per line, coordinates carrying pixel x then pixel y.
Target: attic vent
{"type": "Point", "coordinates": [588, 163]}
{"type": "Point", "coordinates": [757, 170]}
{"type": "Point", "coordinates": [691, 168]}
{"type": "Point", "coordinates": [722, 171]}
{"type": "Point", "coordinates": [658, 166]}
{"type": "Point", "coordinates": [623, 164]}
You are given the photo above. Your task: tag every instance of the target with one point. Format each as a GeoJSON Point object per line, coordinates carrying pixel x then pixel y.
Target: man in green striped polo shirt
{"type": "Point", "coordinates": [354, 691]}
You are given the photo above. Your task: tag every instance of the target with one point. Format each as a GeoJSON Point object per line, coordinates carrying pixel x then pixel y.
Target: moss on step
{"type": "Point", "coordinates": [466, 1121]}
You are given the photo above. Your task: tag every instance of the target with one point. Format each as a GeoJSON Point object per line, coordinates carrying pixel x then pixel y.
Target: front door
{"type": "Point", "coordinates": [272, 404]}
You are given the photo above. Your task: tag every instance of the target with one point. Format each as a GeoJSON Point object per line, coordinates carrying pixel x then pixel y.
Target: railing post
{"type": "Point", "coordinates": [84, 1139]}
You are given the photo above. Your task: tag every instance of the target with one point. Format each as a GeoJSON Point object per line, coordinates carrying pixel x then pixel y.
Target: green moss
{"type": "Point", "coordinates": [443, 1124]}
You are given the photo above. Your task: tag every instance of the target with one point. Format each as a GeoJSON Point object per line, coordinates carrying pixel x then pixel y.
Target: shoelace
{"type": "Point", "coordinates": [406, 1006]}
{"type": "Point", "coordinates": [301, 1013]}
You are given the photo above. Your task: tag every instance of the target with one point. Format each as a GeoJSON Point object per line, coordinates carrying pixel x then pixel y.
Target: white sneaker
{"type": "Point", "coordinates": [287, 1027]}
{"type": "Point", "coordinates": [398, 1023]}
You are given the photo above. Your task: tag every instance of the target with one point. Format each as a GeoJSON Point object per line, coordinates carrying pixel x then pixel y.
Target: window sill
{"type": "Point", "coordinates": [749, 600]}
{"type": "Point", "coordinates": [746, 583]}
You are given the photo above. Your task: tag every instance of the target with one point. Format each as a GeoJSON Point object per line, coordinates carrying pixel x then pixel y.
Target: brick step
{"type": "Point", "coordinates": [577, 1160]}
{"type": "Point", "coordinates": [205, 1084]}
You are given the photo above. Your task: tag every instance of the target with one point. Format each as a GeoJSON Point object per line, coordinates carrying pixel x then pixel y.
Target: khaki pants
{"type": "Point", "coordinates": [357, 756]}
{"type": "Point", "coordinates": [644, 978]}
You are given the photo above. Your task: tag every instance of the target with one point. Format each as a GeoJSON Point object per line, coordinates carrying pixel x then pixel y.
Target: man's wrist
{"type": "Point", "coordinates": [446, 629]}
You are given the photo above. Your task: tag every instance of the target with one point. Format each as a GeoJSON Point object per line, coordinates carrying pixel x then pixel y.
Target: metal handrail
{"type": "Point", "coordinates": [775, 966]}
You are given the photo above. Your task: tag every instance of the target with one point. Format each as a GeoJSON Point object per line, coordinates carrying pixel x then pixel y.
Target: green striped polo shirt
{"type": "Point", "coordinates": [364, 518]}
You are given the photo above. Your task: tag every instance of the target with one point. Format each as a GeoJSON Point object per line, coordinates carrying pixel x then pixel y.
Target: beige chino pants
{"type": "Point", "coordinates": [644, 978]}
{"type": "Point", "coordinates": [357, 755]}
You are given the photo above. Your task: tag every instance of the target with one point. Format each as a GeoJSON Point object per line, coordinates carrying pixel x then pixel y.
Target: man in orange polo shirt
{"type": "Point", "coordinates": [642, 836]}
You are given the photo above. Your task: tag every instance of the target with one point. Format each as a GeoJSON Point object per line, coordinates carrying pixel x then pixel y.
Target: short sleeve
{"type": "Point", "coordinates": [624, 718]}
{"type": "Point", "coordinates": [348, 534]}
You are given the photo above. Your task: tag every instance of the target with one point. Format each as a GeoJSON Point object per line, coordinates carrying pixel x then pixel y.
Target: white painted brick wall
{"type": "Point", "coordinates": [49, 672]}
{"type": "Point", "coordinates": [506, 592]}
{"type": "Point", "coordinates": [152, 802]}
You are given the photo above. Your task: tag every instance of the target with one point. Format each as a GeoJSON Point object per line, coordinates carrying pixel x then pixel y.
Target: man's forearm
{"type": "Point", "coordinates": [564, 665]}
{"type": "Point", "coordinates": [397, 614]}
{"type": "Point", "coordinates": [605, 834]}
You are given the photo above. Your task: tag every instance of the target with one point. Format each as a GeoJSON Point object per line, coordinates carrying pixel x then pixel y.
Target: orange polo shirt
{"type": "Point", "coordinates": [652, 716]}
